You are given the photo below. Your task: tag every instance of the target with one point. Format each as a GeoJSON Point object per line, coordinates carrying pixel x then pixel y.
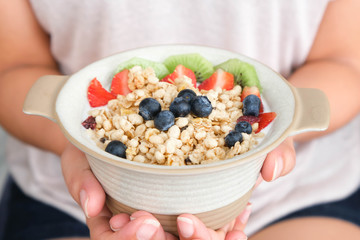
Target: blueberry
{"type": "Point", "coordinates": [201, 106]}
{"type": "Point", "coordinates": [116, 148]}
{"type": "Point", "coordinates": [149, 108]}
{"type": "Point", "coordinates": [251, 105]}
{"type": "Point", "coordinates": [164, 120]}
{"type": "Point", "coordinates": [244, 127]}
{"type": "Point", "coordinates": [232, 138]}
{"type": "Point", "coordinates": [187, 94]}
{"type": "Point", "coordinates": [180, 107]}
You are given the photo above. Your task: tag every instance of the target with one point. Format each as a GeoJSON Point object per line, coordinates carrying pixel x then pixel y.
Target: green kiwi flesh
{"type": "Point", "coordinates": [160, 69]}
{"type": "Point", "coordinates": [202, 67]}
{"type": "Point", "coordinates": [244, 73]}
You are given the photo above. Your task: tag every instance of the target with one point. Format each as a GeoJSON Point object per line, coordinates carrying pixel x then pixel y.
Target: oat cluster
{"type": "Point", "coordinates": [191, 140]}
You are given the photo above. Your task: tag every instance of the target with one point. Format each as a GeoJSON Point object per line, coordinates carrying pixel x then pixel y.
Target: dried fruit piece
{"type": "Point", "coordinates": [89, 123]}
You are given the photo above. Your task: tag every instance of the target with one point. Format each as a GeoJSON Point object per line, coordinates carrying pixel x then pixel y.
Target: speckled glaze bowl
{"type": "Point", "coordinates": [216, 192]}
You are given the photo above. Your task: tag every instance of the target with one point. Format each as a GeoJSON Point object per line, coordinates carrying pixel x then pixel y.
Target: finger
{"type": "Point", "coordinates": [280, 161]}
{"type": "Point", "coordinates": [236, 235]}
{"type": "Point", "coordinates": [143, 227]}
{"type": "Point", "coordinates": [81, 183]}
{"type": "Point", "coordinates": [190, 227]}
{"type": "Point", "coordinates": [242, 219]}
{"type": "Point", "coordinates": [140, 213]}
{"type": "Point", "coordinates": [118, 221]}
{"type": "Point", "coordinates": [99, 225]}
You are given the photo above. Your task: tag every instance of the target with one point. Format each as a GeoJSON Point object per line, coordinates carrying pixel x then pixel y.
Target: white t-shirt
{"type": "Point", "coordinates": [278, 33]}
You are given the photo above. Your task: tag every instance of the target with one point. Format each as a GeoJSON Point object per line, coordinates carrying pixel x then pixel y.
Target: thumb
{"type": "Point", "coordinates": [81, 182]}
{"type": "Point", "coordinates": [280, 161]}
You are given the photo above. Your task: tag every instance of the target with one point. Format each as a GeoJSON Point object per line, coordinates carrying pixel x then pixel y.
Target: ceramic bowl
{"type": "Point", "coordinates": [215, 192]}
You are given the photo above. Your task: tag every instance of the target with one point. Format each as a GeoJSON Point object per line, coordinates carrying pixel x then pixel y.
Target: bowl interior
{"type": "Point", "coordinates": [72, 105]}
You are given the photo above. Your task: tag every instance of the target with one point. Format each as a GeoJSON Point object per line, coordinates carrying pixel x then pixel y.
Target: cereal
{"type": "Point", "coordinates": [192, 140]}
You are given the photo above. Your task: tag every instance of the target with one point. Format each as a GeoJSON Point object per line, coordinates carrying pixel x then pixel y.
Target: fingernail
{"type": "Point", "coordinates": [186, 227]}
{"type": "Point", "coordinates": [114, 229]}
{"type": "Point", "coordinates": [279, 165]}
{"type": "Point", "coordinates": [244, 217]}
{"type": "Point", "coordinates": [132, 218]}
{"type": "Point", "coordinates": [147, 229]}
{"type": "Point", "coordinates": [84, 202]}
{"type": "Point", "coordinates": [243, 238]}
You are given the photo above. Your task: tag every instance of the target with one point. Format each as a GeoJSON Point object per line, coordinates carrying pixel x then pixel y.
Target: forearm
{"type": "Point", "coordinates": [35, 130]}
{"type": "Point", "coordinates": [340, 81]}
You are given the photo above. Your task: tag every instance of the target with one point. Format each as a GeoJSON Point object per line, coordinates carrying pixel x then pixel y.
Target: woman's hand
{"type": "Point", "coordinates": [280, 161]}
{"type": "Point", "coordinates": [88, 193]}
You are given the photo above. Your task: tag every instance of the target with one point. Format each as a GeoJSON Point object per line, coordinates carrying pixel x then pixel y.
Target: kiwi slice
{"type": "Point", "coordinates": [202, 67]}
{"type": "Point", "coordinates": [160, 69]}
{"type": "Point", "coordinates": [244, 73]}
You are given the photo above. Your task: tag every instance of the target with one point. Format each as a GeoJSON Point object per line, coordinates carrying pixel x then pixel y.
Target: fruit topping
{"type": "Point", "coordinates": [180, 71]}
{"type": "Point", "coordinates": [220, 78]}
{"type": "Point", "coordinates": [232, 138]}
{"type": "Point", "coordinates": [164, 120]}
{"type": "Point", "coordinates": [202, 67]}
{"type": "Point", "coordinates": [89, 123]}
{"type": "Point", "coordinates": [119, 84]}
{"type": "Point", "coordinates": [180, 107]}
{"type": "Point", "coordinates": [159, 68]}
{"type": "Point", "coordinates": [250, 119]}
{"type": "Point", "coordinates": [201, 106]}
{"type": "Point", "coordinates": [244, 73]}
{"type": "Point", "coordinates": [149, 108]}
{"type": "Point", "coordinates": [244, 127]}
{"type": "Point", "coordinates": [265, 120]}
{"type": "Point", "coordinates": [251, 90]}
{"type": "Point", "coordinates": [116, 148]}
{"type": "Point", "coordinates": [97, 95]}
{"type": "Point", "coordinates": [187, 94]}
{"type": "Point", "coordinates": [251, 105]}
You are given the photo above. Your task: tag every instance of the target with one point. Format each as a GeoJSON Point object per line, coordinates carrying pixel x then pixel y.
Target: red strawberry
{"type": "Point", "coordinates": [219, 78]}
{"type": "Point", "coordinates": [265, 119]}
{"type": "Point", "coordinates": [251, 90]}
{"type": "Point", "coordinates": [180, 71]}
{"type": "Point", "coordinates": [119, 84]}
{"type": "Point", "coordinates": [97, 95]}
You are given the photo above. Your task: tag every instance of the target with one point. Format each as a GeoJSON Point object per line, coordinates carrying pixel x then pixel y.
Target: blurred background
{"type": "Point", "coordinates": [3, 168]}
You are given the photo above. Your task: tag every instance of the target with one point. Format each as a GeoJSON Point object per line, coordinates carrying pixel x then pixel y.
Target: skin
{"type": "Point", "coordinates": [335, 55]}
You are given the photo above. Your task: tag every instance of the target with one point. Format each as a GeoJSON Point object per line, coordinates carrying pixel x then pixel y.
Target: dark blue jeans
{"type": "Point", "coordinates": [23, 218]}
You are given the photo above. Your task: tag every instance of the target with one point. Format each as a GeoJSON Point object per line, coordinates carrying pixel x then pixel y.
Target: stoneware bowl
{"type": "Point", "coordinates": [217, 192]}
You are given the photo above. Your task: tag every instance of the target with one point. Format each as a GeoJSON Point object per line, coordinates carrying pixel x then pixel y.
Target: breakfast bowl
{"type": "Point", "coordinates": [215, 192]}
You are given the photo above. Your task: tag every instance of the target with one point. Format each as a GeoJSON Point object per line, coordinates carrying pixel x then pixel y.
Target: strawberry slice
{"type": "Point", "coordinates": [219, 78]}
{"type": "Point", "coordinates": [248, 91]}
{"type": "Point", "coordinates": [97, 95]}
{"type": "Point", "coordinates": [180, 71]}
{"type": "Point", "coordinates": [119, 84]}
{"type": "Point", "coordinates": [264, 119]}
{"type": "Point", "coordinates": [251, 90]}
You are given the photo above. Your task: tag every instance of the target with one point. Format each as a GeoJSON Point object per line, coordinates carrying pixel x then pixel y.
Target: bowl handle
{"type": "Point", "coordinates": [41, 98]}
{"type": "Point", "coordinates": [312, 110]}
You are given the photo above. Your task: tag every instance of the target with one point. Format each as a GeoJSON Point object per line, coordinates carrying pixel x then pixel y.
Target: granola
{"type": "Point", "coordinates": [191, 140]}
